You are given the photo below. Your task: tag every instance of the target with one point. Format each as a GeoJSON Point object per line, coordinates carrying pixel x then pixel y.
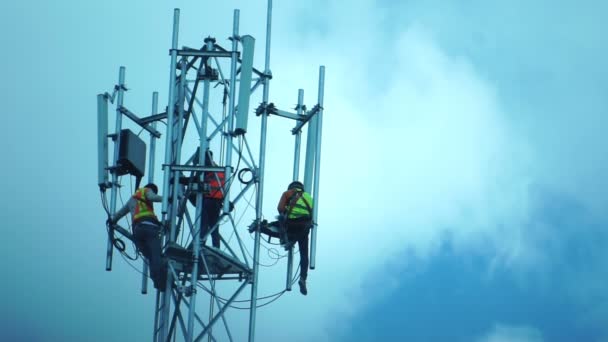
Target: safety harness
{"type": "Point", "coordinates": [293, 203]}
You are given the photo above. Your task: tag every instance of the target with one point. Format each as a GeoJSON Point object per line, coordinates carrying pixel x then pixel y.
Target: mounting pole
{"type": "Point", "coordinates": [114, 193]}
{"type": "Point", "coordinates": [296, 175]}
{"type": "Point", "coordinates": [319, 128]}
{"type": "Point", "coordinates": [201, 157]}
{"type": "Point", "coordinates": [144, 276]}
{"type": "Point", "coordinates": [165, 306]}
{"type": "Point", "coordinates": [298, 134]}
{"type": "Point", "coordinates": [260, 194]}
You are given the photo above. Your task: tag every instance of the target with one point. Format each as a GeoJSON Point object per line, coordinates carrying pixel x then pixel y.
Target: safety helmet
{"type": "Point", "coordinates": [152, 187]}
{"type": "Point", "coordinates": [295, 185]}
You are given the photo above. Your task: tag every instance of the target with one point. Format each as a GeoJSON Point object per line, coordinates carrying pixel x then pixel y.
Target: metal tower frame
{"type": "Point", "coordinates": [193, 266]}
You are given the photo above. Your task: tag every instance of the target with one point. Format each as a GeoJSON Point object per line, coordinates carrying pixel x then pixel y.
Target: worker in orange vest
{"type": "Point", "coordinates": [213, 200]}
{"type": "Point", "coordinates": [146, 229]}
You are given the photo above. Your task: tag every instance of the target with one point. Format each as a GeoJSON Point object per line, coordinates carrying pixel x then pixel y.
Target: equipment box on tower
{"type": "Point", "coordinates": [131, 154]}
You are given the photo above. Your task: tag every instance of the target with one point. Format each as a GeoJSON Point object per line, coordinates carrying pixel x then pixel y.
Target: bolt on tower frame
{"type": "Point", "coordinates": [192, 266]}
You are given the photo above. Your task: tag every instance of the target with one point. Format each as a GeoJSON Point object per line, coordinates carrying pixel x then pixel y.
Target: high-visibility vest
{"type": "Point", "coordinates": [143, 206]}
{"type": "Point", "coordinates": [299, 205]}
{"type": "Point", "coordinates": [216, 183]}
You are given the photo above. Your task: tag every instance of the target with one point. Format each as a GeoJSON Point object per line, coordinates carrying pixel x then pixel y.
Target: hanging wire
{"type": "Point", "coordinates": [274, 296]}
{"type": "Point", "coordinates": [259, 263]}
{"type": "Point", "coordinates": [238, 163]}
{"type": "Point", "coordinates": [239, 220]}
{"type": "Point", "coordinates": [223, 140]}
{"type": "Point", "coordinates": [128, 261]}
{"type": "Point", "coordinates": [117, 242]}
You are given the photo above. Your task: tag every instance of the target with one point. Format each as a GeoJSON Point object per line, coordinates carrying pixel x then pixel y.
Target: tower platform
{"type": "Point", "coordinates": [220, 265]}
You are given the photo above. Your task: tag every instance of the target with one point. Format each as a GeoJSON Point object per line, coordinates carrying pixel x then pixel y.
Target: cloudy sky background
{"type": "Point", "coordinates": [463, 163]}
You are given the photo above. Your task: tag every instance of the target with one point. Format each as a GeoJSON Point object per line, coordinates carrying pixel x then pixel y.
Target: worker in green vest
{"type": "Point", "coordinates": [295, 208]}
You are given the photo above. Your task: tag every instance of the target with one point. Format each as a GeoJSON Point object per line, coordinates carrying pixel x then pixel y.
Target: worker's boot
{"type": "Point", "coordinates": [161, 282]}
{"type": "Point", "coordinates": [303, 289]}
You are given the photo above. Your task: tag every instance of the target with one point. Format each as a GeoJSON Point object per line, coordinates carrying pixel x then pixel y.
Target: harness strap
{"type": "Point", "coordinates": [293, 203]}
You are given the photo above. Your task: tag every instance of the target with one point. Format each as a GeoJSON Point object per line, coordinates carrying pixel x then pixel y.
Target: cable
{"type": "Point", "coordinates": [275, 295]}
{"type": "Point", "coordinates": [238, 163]}
{"type": "Point", "coordinates": [122, 203]}
{"type": "Point", "coordinates": [104, 203]}
{"type": "Point", "coordinates": [133, 267]}
{"type": "Point", "coordinates": [117, 242]}
{"type": "Point", "coordinates": [259, 263]}
{"type": "Point", "coordinates": [242, 172]}
{"type": "Point", "coordinates": [120, 245]}
{"type": "Point", "coordinates": [271, 250]}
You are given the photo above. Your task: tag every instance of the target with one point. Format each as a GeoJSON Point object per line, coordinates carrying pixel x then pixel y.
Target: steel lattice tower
{"type": "Point", "coordinates": [194, 269]}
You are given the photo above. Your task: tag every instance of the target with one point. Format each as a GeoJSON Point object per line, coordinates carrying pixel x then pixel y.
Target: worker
{"type": "Point", "coordinates": [213, 199]}
{"type": "Point", "coordinates": [295, 209]}
{"type": "Point", "coordinates": [146, 229]}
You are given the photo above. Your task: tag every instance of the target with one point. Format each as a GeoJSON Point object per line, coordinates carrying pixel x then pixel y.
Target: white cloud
{"type": "Point", "coordinates": [431, 155]}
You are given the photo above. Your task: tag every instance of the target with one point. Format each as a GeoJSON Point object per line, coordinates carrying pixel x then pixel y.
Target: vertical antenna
{"type": "Point", "coordinates": [242, 114]}
{"type": "Point", "coordinates": [170, 111]}
{"type": "Point", "coordinates": [102, 140]}
{"type": "Point", "coordinates": [233, 61]}
{"type": "Point", "coordinates": [260, 194]}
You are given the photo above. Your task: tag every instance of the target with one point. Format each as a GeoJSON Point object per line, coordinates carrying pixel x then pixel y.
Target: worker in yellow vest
{"type": "Point", "coordinates": [146, 229]}
{"type": "Point", "coordinates": [295, 208]}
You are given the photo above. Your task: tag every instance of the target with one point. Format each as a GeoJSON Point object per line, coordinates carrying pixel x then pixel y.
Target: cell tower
{"type": "Point", "coordinates": [194, 269]}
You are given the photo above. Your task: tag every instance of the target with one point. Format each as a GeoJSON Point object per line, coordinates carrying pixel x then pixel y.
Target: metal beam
{"type": "Point", "coordinates": [309, 115]}
{"type": "Point", "coordinates": [289, 115]}
{"type": "Point", "coordinates": [199, 53]}
{"type": "Point", "coordinates": [221, 312]}
{"type": "Point", "coordinates": [136, 119]}
{"type": "Point", "coordinates": [194, 168]}
{"type": "Point", "coordinates": [153, 118]}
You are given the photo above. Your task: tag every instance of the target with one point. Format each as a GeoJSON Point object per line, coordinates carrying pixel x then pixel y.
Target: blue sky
{"type": "Point", "coordinates": [462, 188]}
